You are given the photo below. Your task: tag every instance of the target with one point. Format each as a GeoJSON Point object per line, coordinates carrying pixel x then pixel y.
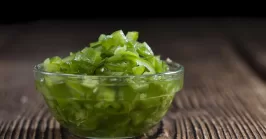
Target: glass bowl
{"type": "Point", "coordinates": [109, 106]}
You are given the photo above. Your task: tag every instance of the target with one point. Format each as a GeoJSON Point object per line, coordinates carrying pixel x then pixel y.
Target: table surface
{"type": "Point", "coordinates": [224, 94]}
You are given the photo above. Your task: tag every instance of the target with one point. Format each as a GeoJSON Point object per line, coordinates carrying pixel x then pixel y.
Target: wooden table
{"type": "Point", "coordinates": [224, 96]}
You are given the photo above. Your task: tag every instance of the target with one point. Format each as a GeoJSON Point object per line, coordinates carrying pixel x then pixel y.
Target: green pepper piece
{"type": "Point", "coordinates": [138, 117]}
{"type": "Point", "coordinates": [91, 55]}
{"type": "Point", "coordinates": [132, 35]}
{"type": "Point", "coordinates": [123, 51]}
{"type": "Point", "coordinates": [117, 38]}
{"type": "Point", "coordinates": [142, 62]}
{"type": "Point", "coordinates": [138, 70]}
{"type": "Point", "coordinates": [144, 49]}
{"type": "Point", "coordinates": [95, 44]}
{"type": "Point", "coordinates": [105, 94]}
{"type": "Point", "coordinates": [52, 64]}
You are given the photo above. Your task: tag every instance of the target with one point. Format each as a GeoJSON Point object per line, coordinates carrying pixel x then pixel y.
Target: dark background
{"type": "Point", "coordinates": [151, 15]}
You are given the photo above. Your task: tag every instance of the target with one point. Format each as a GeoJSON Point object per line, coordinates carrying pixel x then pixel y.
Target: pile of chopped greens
{"type": "Point", "coordinates": [114, 54]}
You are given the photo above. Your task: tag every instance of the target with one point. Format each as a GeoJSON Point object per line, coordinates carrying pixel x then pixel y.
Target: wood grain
{"type": "Point", "coordinates": [222, 98]}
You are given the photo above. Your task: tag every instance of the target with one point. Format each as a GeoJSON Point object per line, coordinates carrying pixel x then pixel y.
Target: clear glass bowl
{"type": "Point", "coordinates": [109, 106]}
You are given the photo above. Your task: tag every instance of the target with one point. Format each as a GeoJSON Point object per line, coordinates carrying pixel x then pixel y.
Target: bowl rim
{"type": "Point", "coordinates": [179, 70]}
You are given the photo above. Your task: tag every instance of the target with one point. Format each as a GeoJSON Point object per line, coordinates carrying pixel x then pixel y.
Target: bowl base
{"type": "Point", "coordinates": [73, 136]}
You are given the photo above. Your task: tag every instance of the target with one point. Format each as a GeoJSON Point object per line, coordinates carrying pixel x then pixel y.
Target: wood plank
{"type": "Point", "coordinates": [222, 97]}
